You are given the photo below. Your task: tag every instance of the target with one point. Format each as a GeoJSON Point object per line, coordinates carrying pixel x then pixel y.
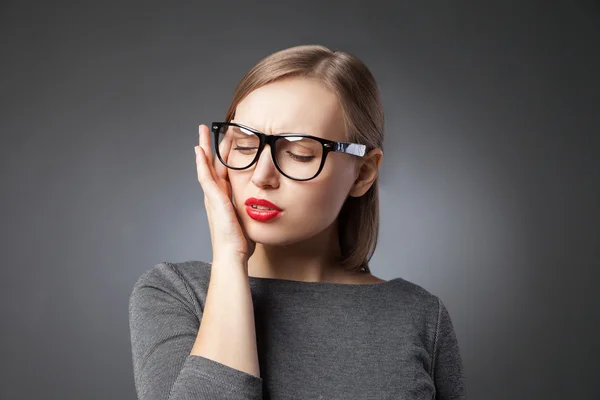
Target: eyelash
{"type": "Point", "coordinates": [294, 156]}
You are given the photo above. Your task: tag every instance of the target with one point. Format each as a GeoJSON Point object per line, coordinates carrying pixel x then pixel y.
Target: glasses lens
{"type": "Point", "coordinates": [298, 157]}
{"type": "Point", "coordinates": [237, 146]}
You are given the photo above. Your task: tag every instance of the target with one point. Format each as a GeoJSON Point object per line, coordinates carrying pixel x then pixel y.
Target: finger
{"type": "Point", "coordinates": [209, 186]}
{"type": "Point", "coordinates": [224, 148]}
{"type": "Point", "coordinates": [204, 141]}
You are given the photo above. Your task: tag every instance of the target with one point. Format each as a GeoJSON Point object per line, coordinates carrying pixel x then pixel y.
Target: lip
{"type": "Point", "coordinates": [261, 202]}
{"type": "Point", "coordinates": [262, 215]}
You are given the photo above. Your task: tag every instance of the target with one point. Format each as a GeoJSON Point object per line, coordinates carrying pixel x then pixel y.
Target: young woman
{"type": "Point", "coordinates": [288, 308]}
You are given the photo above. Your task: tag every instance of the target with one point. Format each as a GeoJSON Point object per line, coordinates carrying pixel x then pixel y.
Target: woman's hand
{"type": "Point", "coordinates": [226, 233]}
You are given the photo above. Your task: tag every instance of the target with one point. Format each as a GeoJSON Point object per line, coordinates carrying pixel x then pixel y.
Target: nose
{"type": "Point", "coordinates": [265, 173]}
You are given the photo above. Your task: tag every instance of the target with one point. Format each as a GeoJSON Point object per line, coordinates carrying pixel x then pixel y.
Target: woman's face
{"type": "Point", "coordinates": [293, 105]}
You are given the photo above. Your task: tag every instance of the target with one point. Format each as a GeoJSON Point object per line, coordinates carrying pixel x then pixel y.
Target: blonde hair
{"type": "Point", "coordinates": [350, 79]}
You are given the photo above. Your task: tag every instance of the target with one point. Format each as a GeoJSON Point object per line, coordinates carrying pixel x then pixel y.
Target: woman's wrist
{"type": "Point", "coordinates": [230, 262]}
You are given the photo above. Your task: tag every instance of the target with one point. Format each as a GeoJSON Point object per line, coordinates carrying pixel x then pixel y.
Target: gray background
{"type": "Point", "coordinates": [489, 184]}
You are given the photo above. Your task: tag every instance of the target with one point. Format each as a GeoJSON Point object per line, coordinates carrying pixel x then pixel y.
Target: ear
{"type": "Point", "coordinates": [367, 171]}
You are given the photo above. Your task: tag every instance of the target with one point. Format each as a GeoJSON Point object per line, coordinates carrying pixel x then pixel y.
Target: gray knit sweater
{"type": "Point", "coordinates": [316, 340]}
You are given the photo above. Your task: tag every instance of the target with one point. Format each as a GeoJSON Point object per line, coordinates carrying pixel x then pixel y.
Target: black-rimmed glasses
{"type": "Point", "coordinates": [297, 156]}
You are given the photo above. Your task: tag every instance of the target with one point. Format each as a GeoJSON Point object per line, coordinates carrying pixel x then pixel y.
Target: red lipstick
{"type": "Point", "coordinates": [260, 213]}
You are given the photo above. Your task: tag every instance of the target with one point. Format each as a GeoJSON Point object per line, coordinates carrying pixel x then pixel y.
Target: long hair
{"type": "Point", "coordinates": [352, 82]}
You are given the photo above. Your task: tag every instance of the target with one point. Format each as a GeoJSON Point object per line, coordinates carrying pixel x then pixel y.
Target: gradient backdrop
{"type": "Point", "coordinates": [489, 184]}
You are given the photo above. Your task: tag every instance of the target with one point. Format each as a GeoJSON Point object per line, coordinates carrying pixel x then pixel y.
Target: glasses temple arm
{"type": "Point", "coordinates": [350, 148]}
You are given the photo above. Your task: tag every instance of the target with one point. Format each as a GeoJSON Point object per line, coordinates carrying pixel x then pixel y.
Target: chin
{"type": "Point", "coordinates": [269, 240]}
{"type": "Point", "coordinates": [277, 235]}
{"type": "Point", "coordinates": [266, 233]}
{"type": "Point", "coordinates": [270, 234]}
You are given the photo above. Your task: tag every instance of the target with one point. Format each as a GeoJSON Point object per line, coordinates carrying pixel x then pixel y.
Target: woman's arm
{"type": "Point", "coordinates": [448, 372]}
{"type": "Point", "coordinates": [177, 355]}
{"type": "Point", "coordinates": [227, 333]}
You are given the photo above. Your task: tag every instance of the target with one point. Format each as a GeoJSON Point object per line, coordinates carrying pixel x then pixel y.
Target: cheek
{"type": "Point", "coordinates": [238, 184]}
{"type": "Point", "coordinates": [337, 177]}
{"type": "Point", "coordinates": [323, 197]}
{"type": "Point", "coordinates": [311, 208]}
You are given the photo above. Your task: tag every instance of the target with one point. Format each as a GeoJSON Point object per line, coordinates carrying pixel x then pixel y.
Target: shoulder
{"type": "Point", "coordinates": [174, 273]}
{"type": "Point", "coordinates": [421, 313]}
{"type": "Point", "coordinates": [184, 281]}
{"type": "Point", "coordinates": [414, 294]}
{"type": "Point", "coordinates": [423, 307]}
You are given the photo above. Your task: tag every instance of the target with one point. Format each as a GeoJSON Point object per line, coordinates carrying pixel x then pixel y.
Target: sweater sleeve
{"type": "Point", "coordinates": [163, 329]}
{"type": "Point", "coordinates": [448, 370]}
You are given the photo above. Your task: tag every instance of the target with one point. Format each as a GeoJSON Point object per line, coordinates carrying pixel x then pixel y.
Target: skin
{"type": "Point", "coordinates": [301, 244]}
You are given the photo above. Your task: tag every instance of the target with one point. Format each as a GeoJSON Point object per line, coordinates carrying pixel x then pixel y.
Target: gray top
{"type": "Point", "coordinates": [315, 340]}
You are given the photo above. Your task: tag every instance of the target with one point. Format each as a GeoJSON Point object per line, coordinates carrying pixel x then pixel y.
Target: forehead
{"type": "Point", "coordinates": [293, 105]}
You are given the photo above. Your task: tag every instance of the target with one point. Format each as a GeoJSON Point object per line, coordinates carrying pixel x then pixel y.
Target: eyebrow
{"type": "Point", "coordinates": [274, 134]}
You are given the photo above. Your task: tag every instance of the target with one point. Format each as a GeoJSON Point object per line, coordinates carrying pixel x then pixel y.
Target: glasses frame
{"type": "Point", "coordinates": [329, 146]}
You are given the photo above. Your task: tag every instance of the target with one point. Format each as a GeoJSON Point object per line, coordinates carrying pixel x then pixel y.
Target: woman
{"type": "Point", "coordinates": [288, 307]}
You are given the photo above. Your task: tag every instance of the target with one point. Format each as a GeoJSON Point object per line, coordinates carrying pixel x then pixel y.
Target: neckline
{"type": "Point", "coordinates": [316, 284]}
{"type": "Point", "coordinates": [290, 283]}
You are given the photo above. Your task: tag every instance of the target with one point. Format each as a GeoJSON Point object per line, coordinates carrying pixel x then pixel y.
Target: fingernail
{"type": "Point", "coordinates": [196, 150]}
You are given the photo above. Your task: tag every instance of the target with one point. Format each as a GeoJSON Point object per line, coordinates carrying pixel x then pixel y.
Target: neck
{"type": "Point", "coordinates": [315, 259]}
